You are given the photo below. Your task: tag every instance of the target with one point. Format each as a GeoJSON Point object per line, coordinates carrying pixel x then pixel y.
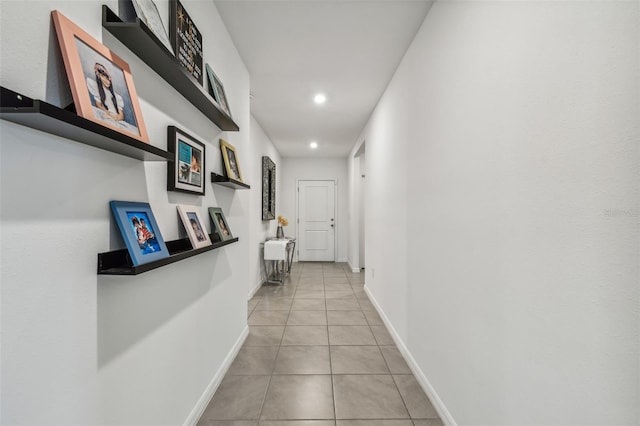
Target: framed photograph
{"type": "Point", "coordinates": [186, 40]}
{"type": "Point", "coordinates": [268, 189]}
{"type": "Point", "coordinates": [194, 225]}
{"type": "Point", "coordinates": [147, 11]}
{"type": "Point", "coordinates": [185, 173]}
{"type": "Point", "coordinates": [140, 231]}
{"type": "Point", "coordinates": [101, 82]}
{"type": "Point", "coordinates": [230, 158]}
{"type": "Point", "coordinates": [216, 89]}
{"type": "Point", "coordinates": [220, 223]}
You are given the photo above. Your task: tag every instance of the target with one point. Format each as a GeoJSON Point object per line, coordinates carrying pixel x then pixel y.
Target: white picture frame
{"type": "Point", "coordinates": [194, 225]}
{"type": "Point", "coordinates": [148, 13]}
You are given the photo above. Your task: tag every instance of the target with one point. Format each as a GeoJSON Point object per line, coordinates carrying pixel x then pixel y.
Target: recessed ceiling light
{"type": "Point", "coordinates": [320, 98]}
{"type": "Point", "coordinates": [313, 145]}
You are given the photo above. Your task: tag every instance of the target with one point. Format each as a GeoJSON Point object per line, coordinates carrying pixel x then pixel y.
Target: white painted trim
{"type": "Point", "coordinates": [437, 403]}
{"type": "Point", "coordinates": [211, 389]}
{"type": "Point", "coordinates": [354, 270]}
{"type": "Point", "coordinates": [342, 260]}
{"type": "Point", "coordinates": [256, 288]}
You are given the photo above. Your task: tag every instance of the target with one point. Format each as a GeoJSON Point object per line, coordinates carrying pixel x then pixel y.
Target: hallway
{"type": "Point", "coordinates": [318, 354]}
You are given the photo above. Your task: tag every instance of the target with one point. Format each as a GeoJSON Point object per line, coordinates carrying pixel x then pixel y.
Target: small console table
{"type": "Point", "coordinates": [278, 252]}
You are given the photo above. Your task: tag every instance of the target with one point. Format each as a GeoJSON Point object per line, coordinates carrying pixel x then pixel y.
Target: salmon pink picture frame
{"type": "Point", "coordinates": [101, 82]}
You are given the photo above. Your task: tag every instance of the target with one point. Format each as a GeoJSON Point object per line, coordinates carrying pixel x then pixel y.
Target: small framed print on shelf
{"type": "Point", "coordinates": [140, 231]}
{"type": "Point", "coordinates": [230, 158]}
{"type": "Point", "coordinates": [100, 81]}
{"type": "Point", "coordinates": [194, 225]}
{"type": "Point", "coordinates": [220, 223]}
{"type": "Point", "coordinates": [147, 11]}
{"type": "Point", "coordinates": [216, 89]}
{"type": "Point", "coordinates": [186, 171]}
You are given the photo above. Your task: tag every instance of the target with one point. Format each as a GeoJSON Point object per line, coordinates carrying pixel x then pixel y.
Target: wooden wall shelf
{"type": "Point", "coordinates": [118, 262]}
{"type": "Point", "coordinates": [141, 41]}
{"type": "Point", "coordinates": [228, 182]}
{"type": "Point", "coordinates": [45, 117]}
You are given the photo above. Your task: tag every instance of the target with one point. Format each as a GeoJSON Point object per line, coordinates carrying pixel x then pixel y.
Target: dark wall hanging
{"type": "Point", "coordinates": [186, 40]}
{"type": "Point", "coordinates": [268, 189]}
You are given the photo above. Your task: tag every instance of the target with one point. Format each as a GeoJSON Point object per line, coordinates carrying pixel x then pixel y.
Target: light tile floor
{"type": "Point", "coordinates": [318, 354]}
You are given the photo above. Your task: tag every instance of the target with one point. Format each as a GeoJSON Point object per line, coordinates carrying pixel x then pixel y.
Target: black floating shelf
{"type": "Point", "coordinates": [45, 117]}
{"type": "Point", "coordinates": [228, 182]}
{"type": "Point", "coordinates": [118, 262]}
{"type": "Point", "coordinates": [141, 41]}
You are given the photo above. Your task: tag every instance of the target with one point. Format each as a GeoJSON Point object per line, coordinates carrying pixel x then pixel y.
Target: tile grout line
{"type": "Point", "coordinates": [333, 384]}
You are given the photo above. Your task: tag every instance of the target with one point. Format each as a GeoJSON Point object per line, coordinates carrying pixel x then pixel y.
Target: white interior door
{"type": "Point", "coordinates": [316, 216]}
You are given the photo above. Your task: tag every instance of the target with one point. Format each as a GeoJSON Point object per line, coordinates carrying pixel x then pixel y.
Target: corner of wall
{"type": "Point", "coordinates": [422, 379]}
{"type": "Point", "coordinates": [208, 393]}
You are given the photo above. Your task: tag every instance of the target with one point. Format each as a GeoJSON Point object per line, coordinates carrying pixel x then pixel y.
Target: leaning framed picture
{"type": "Point", "coordinates": [194, 225]}
{"type": "Point", "coordinates": [186, 40]}
{"type": "Point", "coordinates": [220, 223]}
{"type": "Point", "coordinates": [230, 158]}
{"type": "Point", "coordinates": [147, 11]}
{"type": "Point", "coordinates": [101, 82]}
{"type": "Point", "coordinates": [140, 231]}
{"type": "Point", "coordinates": [185, 173]}
{"type": "Point", "coordinates": [216, 89]}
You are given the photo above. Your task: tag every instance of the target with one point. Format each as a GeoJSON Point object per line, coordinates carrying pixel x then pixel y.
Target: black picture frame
{"type": "Point", "coordinates": [186, 40]}
{"type": "Point", "coordinates": [186, 173]}
{"type": "Point", "coordinates": [268, 189]}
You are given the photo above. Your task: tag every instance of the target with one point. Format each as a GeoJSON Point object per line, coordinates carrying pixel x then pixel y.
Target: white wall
{"type": "Point", "coordinates": [261, 230]}
{"type": "Point", "coordinates": [356, 213]}
{"type": "Point", "coordinates": [78, 348]}
{"type": "Point", "coordinates": [506, 151]}
{"type": "Point", "coordinates": [295, 169]}
{"type": "Point", "coordinates": [362, 172]}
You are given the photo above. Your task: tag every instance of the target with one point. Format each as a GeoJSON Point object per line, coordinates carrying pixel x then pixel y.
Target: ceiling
{"type": "Point", "coordinates": [293, 49]}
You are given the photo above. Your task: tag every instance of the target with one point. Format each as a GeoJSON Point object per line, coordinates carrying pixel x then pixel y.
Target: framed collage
{"type": "Point", "coordinates": [186, 172]}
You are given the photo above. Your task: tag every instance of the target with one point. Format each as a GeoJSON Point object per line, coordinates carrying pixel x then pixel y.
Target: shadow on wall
{"type": "Point", "coordinates": [132, 307]}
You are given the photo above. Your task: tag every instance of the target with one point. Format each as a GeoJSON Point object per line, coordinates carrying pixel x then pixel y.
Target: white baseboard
{"type": "Point", "coordinates": [204, 400]}
{"type": "Point", "coordinates": [354, 270]}
{"type": "Point", "coordinates": [254, 290]}
{"type": "Point", "coordinates": [444, 414]}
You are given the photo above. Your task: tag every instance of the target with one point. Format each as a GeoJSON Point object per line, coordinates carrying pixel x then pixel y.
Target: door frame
{"type": "Point", "coordinates": [335, 215]}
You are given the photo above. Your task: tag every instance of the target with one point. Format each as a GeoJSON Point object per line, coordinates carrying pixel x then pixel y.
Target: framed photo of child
{"type": "Point", "coordinates": [194, 225]}
{"type": "Point", "coordinates": [100, 81]}
{"type": "Point", "coordinates": [230, 158]}
{"type": "Point", "coordinates": [220, 223]}
{"type": "Point", "coordinates": [185, 173]}
{"type": "Point", "coordinates": [140, 231]}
